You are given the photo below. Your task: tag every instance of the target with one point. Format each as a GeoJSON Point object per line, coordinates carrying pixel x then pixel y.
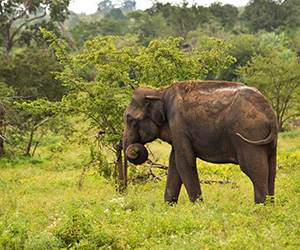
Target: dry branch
{"type": "Point", "coordinates": [147, 176]}
{"type": "Point", "coordinates": [157, 165]}
{"type": "Point", "coordinates": [220, 182]}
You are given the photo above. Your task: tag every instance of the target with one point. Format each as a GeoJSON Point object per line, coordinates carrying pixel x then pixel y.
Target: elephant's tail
{"type": "Point", "coordinates": [271, 137]}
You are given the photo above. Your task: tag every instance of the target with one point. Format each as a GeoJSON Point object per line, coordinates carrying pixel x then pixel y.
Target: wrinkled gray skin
{"type": "Point", "coordinates": [219, 122]}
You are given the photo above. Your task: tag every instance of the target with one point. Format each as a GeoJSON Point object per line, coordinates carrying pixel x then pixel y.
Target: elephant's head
{"type": "Point", "coordinates": [143, 119]}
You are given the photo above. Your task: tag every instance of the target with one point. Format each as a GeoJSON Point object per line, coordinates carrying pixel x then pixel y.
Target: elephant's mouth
{"type": "Point", "coordinates": [136, 153]}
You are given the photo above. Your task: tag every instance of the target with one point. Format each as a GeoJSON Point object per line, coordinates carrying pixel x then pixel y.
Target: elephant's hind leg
{"type": "Point", "coordinates": [174, 182]}
{"type": "Point", "coordinates": [272, 173]}
{"type": "Point", "coordinates": [253, 161]}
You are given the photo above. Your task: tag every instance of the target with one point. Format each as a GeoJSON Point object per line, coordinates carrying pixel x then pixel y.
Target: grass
{"type": "Point", "coordinates": [41, 206]}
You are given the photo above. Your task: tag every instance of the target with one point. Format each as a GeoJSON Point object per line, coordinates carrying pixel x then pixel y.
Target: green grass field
{"type": "Point", "coordinates": [41, 206]}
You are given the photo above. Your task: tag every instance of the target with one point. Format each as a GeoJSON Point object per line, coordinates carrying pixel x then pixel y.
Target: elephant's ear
{"type": "Point", "coordinates": [156, 109]}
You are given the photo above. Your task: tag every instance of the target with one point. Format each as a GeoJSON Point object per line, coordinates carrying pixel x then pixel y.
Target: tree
{"type": "Point", "coordinates": [105, 6]}
{"type": "Point", "coordinates": [32, 36]}
{"type": "Point", "coordinates": [29, 73]}
{"type": "Point", "coordinates": [116, 14]}
{"type": "Point", "coordinates": [128, 5]}
{"type": "Point", "coordinates": [264, 15]}
{"type": "Point", "coordinates": [16, 14]}
{"type": "Point", "coordinates": [12, 120]}
{"type": "Point", "coordinates": [183, 19]}
{"type": "Point", "coordinates": [292, 10]}
{"type": "Point", "coordinates": [148, 27]}
{"type": "Point", "coordinates": [244, 47]}
{"type": "Point", "coordinates": [120, 71]}
{"type": "Point", "coordinates": [26, 77]}
{"type": "Point", "coordinates": [158, 7]}
{"type": "Point", "coordinates": [83, 31]}
{"type": "Point", "coordinates": [227, 14]}
{"type": "Point", "coordinates": [278, 78]}
{"type": "Point", "coordinates": [5, 97]}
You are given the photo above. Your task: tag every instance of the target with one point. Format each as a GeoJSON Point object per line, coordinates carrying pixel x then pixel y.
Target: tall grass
{"type": "Point", "coordinates": [41, 206]}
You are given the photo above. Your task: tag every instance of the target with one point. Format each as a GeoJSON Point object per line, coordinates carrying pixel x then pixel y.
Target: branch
{"type": "Point", "coordinates": [92, 117]}
{"type": "Point", "coordinates": [146, 176]}
{"type": "Point", "coordinates": [108, 147]}
{"type": "Point", "coordinates": [289, 117]}
{"type": "Point", "coordinates": [41, 123]}
{"type": "Point", "coordinates": [59, 47]}
{"type": "Point", "coordinates": [110, 126]}
{"type": "Point", "coordinates": [156, 165]}
{"type": "Point", "coordinates": [27, 7]}
{"type": "Point", "coordinates": [37, 143]}
{"type": "Point", "coordinates": [70, 42]}
{"type": "Point", "coordinates": [23, 24]}
{"type": "Point", "coordinates": [9, 143]}
{"type": "Point", "coordinates": [15, 97]}
{"type": "Point", "coordinates": [220, 182]}
{"type": "Point", "coordinates": [156, 176]}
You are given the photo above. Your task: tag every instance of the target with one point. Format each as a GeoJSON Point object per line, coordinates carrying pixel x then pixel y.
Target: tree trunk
{"type": "Point", "coordinates": [37, 143]}
{"type": "Point", "coordinates": [125, 171]}
{"type": "Point", "coordinates": [119, 161]}
{"type": "Point", "coordinates": [30, 137]}
{"type": "Point", "coordinates": [122, 172]}
{"type": "Point", "coordinates": [66, 34]}
{"type": "Point", "coordinates": [2, 122]}
{"type": "Point", "coordinates": [30, 141]}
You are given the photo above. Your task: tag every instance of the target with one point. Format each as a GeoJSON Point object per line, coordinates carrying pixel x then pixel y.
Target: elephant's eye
{"type": "Point", "coordinates": [131, 120]}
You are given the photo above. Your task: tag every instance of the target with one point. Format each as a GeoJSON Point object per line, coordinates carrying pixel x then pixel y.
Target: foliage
{"type": "Point", "coordinates": [244, 47]}
{"type": "Point", "coordinates": [26, 12]}
{"type": "Point", "coordinates": [292, 9]}
{"type": "Point", "coordinates": [116, 14]}
{"type": "Point", "coordinates": [158, 7]}
{"type": "Point", "coordinates": [30, 74]}
{"type": "Point", "coordinates": [148, 27]}
{"type": "Point", "coordinates": [20, 121]}
{"type": "Point", "coordinates": [183, 19]}
{"type": "Point", "coordinates": [278, 78]}
{"type": "Point", "coordinates": [6, 100]}
{"type": "Point", "coordinates": [32, 36]}
{"type": "Point", "coordinates": [227, 14]}
{"type": "Point", "coordinates": [83, 31]}
{"type": "Point", "coordinates": [167, 63]}
{"type": "Point", "coordinates": [128, 5]}
{"type": "Point", "coordinates": [264, 15]}
{"type": "Point", "coordinates": [28, 77]}
{"type": "Point", "coordinates": [120, 70]}
{"type": "Point", "coordinates": [106, 6]}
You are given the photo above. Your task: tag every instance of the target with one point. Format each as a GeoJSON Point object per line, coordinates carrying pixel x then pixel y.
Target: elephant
{"type": "Point", "coordinates": [216, 121]}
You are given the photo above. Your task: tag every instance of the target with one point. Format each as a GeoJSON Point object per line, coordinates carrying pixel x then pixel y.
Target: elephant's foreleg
{"type": "Point", "coordinates": [187, 170]}
{"type": "Point", "coordinates": [174, 181]}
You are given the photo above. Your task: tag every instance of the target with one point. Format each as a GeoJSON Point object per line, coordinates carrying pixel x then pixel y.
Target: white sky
{"type": "Point", "coordinates": [90, 6]}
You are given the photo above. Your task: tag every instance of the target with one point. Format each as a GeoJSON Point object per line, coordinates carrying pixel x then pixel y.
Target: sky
{"type": "Point", "coordinates": [90, 6]}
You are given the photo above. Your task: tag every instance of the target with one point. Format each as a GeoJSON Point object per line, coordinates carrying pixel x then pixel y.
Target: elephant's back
{"type": "Point", "coordinates": [207, 87]}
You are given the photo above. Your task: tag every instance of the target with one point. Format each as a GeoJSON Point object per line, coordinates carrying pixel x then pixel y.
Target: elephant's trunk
{"type": "Point", "coordinates": [136, 153]}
